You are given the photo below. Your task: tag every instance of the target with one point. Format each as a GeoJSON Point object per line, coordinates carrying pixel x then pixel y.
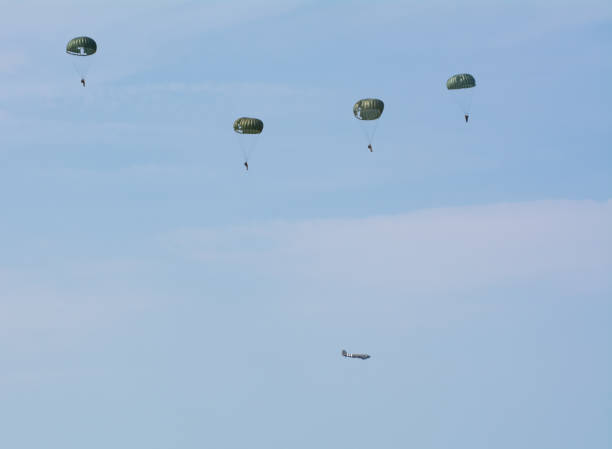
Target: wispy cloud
{"type": "Point", "coordinates": [449, 248]}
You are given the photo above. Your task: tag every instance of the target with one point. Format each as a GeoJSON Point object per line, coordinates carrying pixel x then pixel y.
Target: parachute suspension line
{"type": "Point", "coordinates": [470, 100]}
{"type": "Point", "coordinates": [243, 147]}
{"type": "Point", "coordinates": [253, 144]}
{"type": "Point", "coordinates": [247, 145]}
{"type": "Point", "coordinates": [463, 99]}
{"type": "Point", "coordinates": [369, 128]}
{"type": "Point", "coordinates": [81, 65]}
{"type": "Point", "coordinates": [373, 132]}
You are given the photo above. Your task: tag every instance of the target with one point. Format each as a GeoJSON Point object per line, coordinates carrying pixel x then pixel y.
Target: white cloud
{"type": "Point", "coordinates": [449, 248]}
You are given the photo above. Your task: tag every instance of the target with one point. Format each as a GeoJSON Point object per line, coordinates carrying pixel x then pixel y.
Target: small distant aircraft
{"type": "Point", "coordinates": [355, 356]}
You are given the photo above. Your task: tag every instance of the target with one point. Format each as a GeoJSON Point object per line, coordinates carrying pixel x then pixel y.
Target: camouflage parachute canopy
{"type": "Point", "coordinates": [81, 46]}
{"type": "Point", "coordinates": [248, 125]}
{"type": "Point", "coordinates": [368, 109]}
{"type": "Point", "coordinates": [460, 81]}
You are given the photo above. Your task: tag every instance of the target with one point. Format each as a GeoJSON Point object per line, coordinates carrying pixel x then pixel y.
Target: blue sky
{"type": "Point", "coordinates": [153, 294]}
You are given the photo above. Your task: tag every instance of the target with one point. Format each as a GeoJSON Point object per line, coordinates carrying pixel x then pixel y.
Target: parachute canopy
{"type": "Point", "coordinates": [460, 81]}
{"type": "Point", "coordinates": [248, 125]}
{"type": "Point", "coordinates": [81, 46]}
{"type": "Point", "coordinates": [368, 109]}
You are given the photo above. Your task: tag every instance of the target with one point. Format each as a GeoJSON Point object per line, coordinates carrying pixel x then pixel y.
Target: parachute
{"type": "Point", "coordinates": [79, 49]}
{"type": "Point", "coordinates": [461, 81]}
{"type": "Point", "coordinates": [248, 128]}
{"type": "Point", "coordinates": [461, 86]}
{"type": "Point", "coordinates": [81, 46]}
{"type": "Point", "coordinates": [248, 125]}
{"type": "Point", "coordinates": [369, 110]}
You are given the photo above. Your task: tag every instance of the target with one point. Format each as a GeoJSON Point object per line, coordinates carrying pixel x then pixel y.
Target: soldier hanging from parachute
{"type": "Point", "coordinates": [368, 110]}
{"type": "Point", "coordinates": [79, 49]}
{"type": "Point", "coordinates": [462, 86]}
{"type": "Point", "coordinates": [248, 128]}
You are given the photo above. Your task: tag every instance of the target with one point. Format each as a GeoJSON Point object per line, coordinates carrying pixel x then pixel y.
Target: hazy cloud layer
{"type": "Point", "coordinates": [447, 248]}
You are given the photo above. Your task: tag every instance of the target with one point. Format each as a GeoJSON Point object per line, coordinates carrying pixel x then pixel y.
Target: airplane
{"type": "Point", "coordinates": [355, 356]}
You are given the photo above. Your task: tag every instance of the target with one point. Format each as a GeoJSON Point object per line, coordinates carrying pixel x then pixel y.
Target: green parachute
{"type": "Point", "coordinates": [461, 86]}
{"type": "Point", "coordinates": [461, 81]}
{"type": "Point", "coordinates": [248, 128]}
{"type": "Point", "coordinates": [80, 49]}
{"type": "Point", "coordinates": [369, 110]}
{"type": "Point", "coordinates": [248, 125]}
{"type": "Point", "coordinates": [81, 46]}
